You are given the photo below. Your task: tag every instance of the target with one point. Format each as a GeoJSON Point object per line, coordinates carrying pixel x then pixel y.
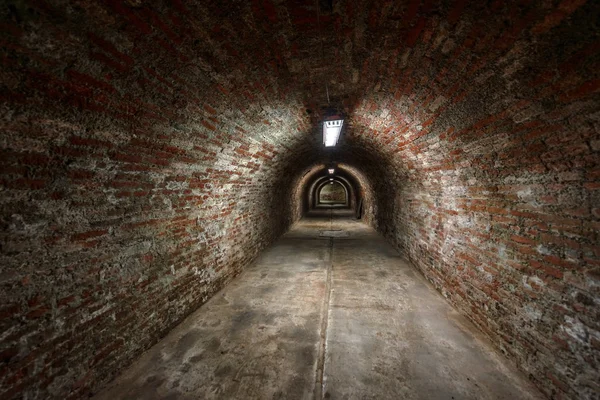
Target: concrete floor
{"type": "Point", "coordinates": [321, 317]}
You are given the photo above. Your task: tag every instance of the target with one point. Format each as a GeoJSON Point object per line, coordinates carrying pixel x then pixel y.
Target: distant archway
{"type": "Point", "coordinates": [332, 193]}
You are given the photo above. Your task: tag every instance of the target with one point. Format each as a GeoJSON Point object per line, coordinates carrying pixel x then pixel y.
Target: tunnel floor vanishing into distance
{"type": "Point", "coordinates": [329, 311]}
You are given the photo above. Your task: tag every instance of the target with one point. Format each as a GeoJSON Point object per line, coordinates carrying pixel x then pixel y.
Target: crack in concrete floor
{"type": "Point", "coordinates": [324, 318]}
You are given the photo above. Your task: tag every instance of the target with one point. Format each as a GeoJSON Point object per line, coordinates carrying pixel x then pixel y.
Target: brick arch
{"type": "Point", "coordinates": [150, 151]}
{"type": "Point", "coordinates": [321, 186]}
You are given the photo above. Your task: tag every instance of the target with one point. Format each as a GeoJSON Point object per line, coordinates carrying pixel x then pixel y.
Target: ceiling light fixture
{"type": "Point", "coordinates": [331, 170]}
{"type": "Point", "coordinates": [331, 132]}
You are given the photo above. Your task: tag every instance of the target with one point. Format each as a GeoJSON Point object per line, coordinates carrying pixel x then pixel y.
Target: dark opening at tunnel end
{"type": "Point", "coordinates": [165, 179]}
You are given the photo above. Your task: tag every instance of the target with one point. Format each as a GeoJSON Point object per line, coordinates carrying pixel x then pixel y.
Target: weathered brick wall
{"type": "Point", "coordinates": [366, 195]}
{"type": "Point", "coordinates": [142, 166]}
{"type": "Point", "coordinates": [299, 193]}
{"type": "Point", "coordinates": [151, 149]}
{"type": "Point", "coordinates": [302, 190]}
{"type": "Point", "coordinates": [482, 140]}
{"type": "Point", "coordinates": [332, 192]}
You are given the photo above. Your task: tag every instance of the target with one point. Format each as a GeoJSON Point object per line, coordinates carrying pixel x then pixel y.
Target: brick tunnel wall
{"type": "Point", "coordinates": [137, 179]}
{"type": "Point", "coordinates": [150, 152]}
{"type": "Point", "coordinates": [332, 193]}
{"type": "Point", "coordinates": [483, 145]}
{"type": "Point", "coordinates": [301, 190]}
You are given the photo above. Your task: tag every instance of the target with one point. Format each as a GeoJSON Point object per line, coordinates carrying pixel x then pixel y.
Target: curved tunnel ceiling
{"type": "Point", "coordinates": [319, 184]}
{"type": "Point", "coordinates": [144, 137]}
{"type": "Point", "coordinates": [338, 183]}
{"type": "Point", "coordinates": [377, 64]}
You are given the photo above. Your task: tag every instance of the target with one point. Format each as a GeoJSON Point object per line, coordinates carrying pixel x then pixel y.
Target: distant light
{"type": "Point", "coordinates": [331, 183]}
{"type": "Point", "coordinates": [331, 132]}
{"type": "Point", "coordinates": [331, 170]}
{"type": "Point", "coordinates": [330, 179]}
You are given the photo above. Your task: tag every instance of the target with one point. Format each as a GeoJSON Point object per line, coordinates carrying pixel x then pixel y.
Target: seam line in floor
{"type": "Point", "coordinates": [319, 384]}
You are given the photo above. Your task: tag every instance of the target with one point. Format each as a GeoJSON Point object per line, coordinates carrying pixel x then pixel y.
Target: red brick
{"type": "Point", "coordinates": [89, 235]}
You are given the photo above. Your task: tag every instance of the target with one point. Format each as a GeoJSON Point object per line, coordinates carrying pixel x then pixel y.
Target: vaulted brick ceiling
{"type": "Point", "coordinates": [151, 149]}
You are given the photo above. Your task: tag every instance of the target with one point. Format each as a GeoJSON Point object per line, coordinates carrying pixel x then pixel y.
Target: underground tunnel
{"type": "Point", "coordinates": [340, 199]}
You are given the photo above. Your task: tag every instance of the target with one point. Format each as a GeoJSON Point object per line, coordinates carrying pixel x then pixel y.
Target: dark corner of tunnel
{"type": "Point", "coordinates": [153, 152]}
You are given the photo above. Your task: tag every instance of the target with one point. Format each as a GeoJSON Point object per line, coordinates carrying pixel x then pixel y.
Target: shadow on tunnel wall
{"type": "Point", "coordinates": [144, 165]}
